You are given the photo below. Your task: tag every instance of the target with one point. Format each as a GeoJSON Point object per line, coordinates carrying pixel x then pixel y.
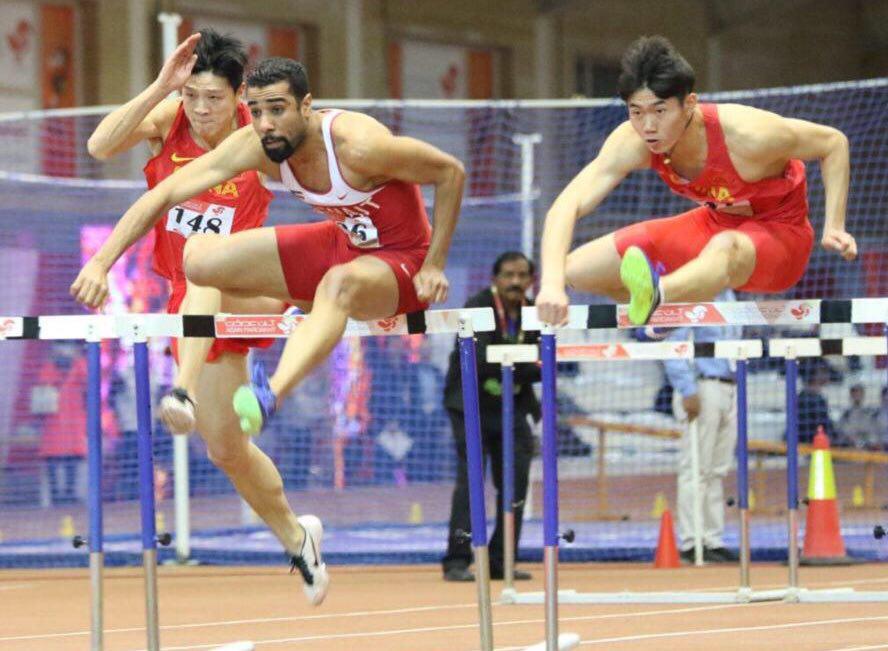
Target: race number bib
{"type": "Point", "coordinates": [195, 216]}
{"type": "Point", "coordinates": [360, 231]}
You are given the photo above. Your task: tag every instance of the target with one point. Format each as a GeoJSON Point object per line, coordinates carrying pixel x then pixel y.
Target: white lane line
{"type": "Point", "coordinates": [237, 622]}
{"type": "Point", "coordinates": [17, 586]}
{"type": "Point", "coordinates": [454, 627]}
{"type": "Point", "coordinates": [744, 629]}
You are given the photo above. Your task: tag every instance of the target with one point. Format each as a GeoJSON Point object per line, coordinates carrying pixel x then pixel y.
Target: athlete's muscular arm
{"type": "Point", "coordinates": [767, 139]}
{"type": "Point", "coordinates": [378, 155]}
{"type": "Point", "coordinates": [622, 152]}
{"type": "Point", "coordinates": [147, 116]}
{"type": "Point", "coordinates": [809, 141]}
{"type": "Point", "coordinates": [241, 151]}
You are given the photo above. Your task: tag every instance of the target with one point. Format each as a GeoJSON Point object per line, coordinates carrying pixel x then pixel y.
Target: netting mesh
{"type": "Point", "coordinates": [366, 440]}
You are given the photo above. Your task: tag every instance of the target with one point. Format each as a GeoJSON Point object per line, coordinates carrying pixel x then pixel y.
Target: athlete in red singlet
{"type": "Point", "coordinates": [742, 165]}
{"type": "Point", "coordinates": [208, 69]}
{"type": "Point", "coordinates": [372, 257]}
{"type": "Point", "coordinates": [234, 205]}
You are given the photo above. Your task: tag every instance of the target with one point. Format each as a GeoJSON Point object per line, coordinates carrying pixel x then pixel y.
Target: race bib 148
{"type": "Point", "coordinates": [194, 216]}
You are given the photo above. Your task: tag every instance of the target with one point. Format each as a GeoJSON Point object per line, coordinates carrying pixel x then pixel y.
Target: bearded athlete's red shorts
{"type": "Point", "coordinates": [236, 346]}
{"type": "Point", "coordinates": [308, 251]}
{"type": "Point", "coordinates": [782, 245]}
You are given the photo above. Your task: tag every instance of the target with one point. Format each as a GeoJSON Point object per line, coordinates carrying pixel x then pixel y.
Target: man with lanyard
{"type": "Point", "coordinates": [512, 277]}
{"type": "Point", "coordinates": [704, 392]}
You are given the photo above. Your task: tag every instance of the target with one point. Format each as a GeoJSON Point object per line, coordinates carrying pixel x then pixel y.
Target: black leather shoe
{"type": "Point", "coordinates": [687, 556]}
{"type": "Point", "coordinates": [459, 575]}
{"type": "Point", "coordinates": [517, 575]}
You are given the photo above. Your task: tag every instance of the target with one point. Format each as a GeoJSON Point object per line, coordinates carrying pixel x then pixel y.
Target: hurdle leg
{"type": "Point", "coordinates": [146, 491]}
{"type": "Point", "coordinates": [475, 471]}
{"type": "Point", "coordinates": [550, 494]}
{"type": "Point", "coordinates": [94, 461]}
{"type": "Point", "coordinates": [743, 472]}
{"type": "Point", "coordinates": [792, 470]}
{"type": "Point", "coordinates": [508, 496]}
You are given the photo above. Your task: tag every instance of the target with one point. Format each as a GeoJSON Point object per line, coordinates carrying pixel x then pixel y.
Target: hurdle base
{"type": "Point", "coordinates": [837, 595]}
{"type": "Point", "coordinates": [574, 597]}
{"type": "Point", "coordinates": [566, 642]}
{"type": "Point", "coordinates": [507, 595]}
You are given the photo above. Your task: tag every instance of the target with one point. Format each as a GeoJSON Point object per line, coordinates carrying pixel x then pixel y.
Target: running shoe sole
{"type": "Point", "coordinates": [317, 592]}
{"type": "Point", "coordinates": [638, 278]}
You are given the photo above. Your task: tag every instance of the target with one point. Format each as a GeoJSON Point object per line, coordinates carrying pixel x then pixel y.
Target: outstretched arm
{"type": "Point", "coordinates": [380, 154]}
{"type": "Point", "coordinates": [239, 152]}
{"type": "Point", "coordinates": [147, 115]}
{"type": "Point", "coordinates": [622, 152]}
{"type": "Point", "coordinates": [809, 141]}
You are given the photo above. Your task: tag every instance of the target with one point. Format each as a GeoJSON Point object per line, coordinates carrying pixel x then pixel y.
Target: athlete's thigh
{"type": "Point", "coordinates": [216, 421]}
{"type": "Point", "coordinates": [252, 305]}
{"type": "Point", "coordinates": [594, 267]}
{"type": "Point", "coordinates": [671, 241]}
{"type": "Point", "coordinates": [373, 288]}
{"type": "Point", "coordinates": [245, 263]}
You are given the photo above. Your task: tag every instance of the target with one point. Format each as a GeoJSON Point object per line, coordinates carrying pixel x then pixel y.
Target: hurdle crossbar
{"type": "Point", "coordinates": [229, 326]}
{"type": "Point", "coordinates": [783, 313]}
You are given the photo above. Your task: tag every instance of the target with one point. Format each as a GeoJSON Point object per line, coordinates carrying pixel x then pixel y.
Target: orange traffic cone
{"type": "Point", "coordinates": [823, 535]}
{"type": "Point", "coordinates": [667, 550]}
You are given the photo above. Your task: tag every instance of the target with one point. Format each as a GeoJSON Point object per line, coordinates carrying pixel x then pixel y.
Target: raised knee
{"type": "Point", "coordinates": [342, 285]}
{"type": "Point", "coordinates": [198, 261]}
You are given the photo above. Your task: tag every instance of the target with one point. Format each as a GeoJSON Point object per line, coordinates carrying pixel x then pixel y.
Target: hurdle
{"type": "Point", "coordinates": [794, 312]}
{"type": "Point", "coordinates": [136, 329]}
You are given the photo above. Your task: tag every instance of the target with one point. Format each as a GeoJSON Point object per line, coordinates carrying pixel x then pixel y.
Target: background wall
{"type": "Point", "coordinates": [520, 48]}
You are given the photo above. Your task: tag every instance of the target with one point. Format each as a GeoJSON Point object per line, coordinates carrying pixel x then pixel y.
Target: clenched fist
{"type": "Point", "coordinates": [91, 284]}
{"type": "Point", "coordinates": [431, 284]}
{"type": "Point", "coordinates": [839, 241]}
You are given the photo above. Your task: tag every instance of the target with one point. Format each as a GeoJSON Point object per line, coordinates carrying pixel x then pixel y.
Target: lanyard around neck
{"type": "Point", "coordinates": [503, 318]}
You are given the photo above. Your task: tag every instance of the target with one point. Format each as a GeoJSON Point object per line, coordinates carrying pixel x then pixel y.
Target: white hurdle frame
{"type": "Point", "coordinates": [137, 328]}
{"type": "Point", "coordinates": [738, 349]}
{"type": "Point", "coordinates": [788, 312]}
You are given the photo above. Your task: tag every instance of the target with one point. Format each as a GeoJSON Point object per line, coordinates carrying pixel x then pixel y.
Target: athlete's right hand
{"type": "Point", "coordinates": [551, 304]}
{"type": "Point", "coordinates": [177, 68]}
{"type": "Point", "coordinates": [91, 284]}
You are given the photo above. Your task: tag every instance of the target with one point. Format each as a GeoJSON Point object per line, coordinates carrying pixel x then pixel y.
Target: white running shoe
{"type": "Point", "coordinates": [309, 562]}
{"type": "Point", "coordinates": [176, 411]}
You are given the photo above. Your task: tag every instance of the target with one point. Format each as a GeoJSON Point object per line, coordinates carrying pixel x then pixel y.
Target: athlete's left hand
{"type": "Point", "coordinates": [840, 241]}
{"type": "Point", "coordinates": [431, 284]}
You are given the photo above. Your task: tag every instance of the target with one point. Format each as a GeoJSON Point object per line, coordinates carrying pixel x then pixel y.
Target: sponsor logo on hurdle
{"type": "Point", "coordinates": [594, 351]}
{"type": "Point", "coordinates": [800, 311]}
{"type": "Point", "coordinates": [271, 325]}
{"type": "Point", "coordinates": [741, 313]}
{"type": "Point", "coordinates": [10, 327]}
{"type": "Point", "coordinates": [678, 314]}
{"type": "Point", "coordinates": [387, 325]}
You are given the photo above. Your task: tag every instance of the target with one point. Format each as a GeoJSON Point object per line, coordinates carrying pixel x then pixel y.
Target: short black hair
{"type": "Point", "coordinates": [508, 256]}
{"type": "Point", "coordinates": [274, 69]}
{"type": "Point", "coordinates": [652, 62]}
{"type": "Point", "coordinates": [223, 55]}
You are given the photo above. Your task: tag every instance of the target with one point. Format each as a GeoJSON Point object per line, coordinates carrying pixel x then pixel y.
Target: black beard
{"type": "Point", "coordinates": [279, 154]}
